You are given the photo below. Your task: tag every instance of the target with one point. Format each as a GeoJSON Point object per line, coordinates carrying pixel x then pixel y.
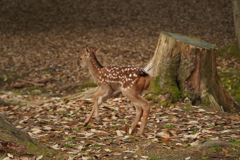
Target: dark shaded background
{"type": "Point", "coordinates": [39, 37]}
{"type": "Point", "coordinates": [209, 20]}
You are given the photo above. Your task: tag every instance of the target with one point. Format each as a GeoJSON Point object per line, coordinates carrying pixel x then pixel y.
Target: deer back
{"type": "Point", "coordinates": [126, 76]}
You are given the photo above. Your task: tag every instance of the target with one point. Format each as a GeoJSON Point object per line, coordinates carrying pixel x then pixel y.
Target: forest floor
{"type": "Point", "coordinates": [40, 42]}
{"type": "Point", "coordinates": [177, 131]}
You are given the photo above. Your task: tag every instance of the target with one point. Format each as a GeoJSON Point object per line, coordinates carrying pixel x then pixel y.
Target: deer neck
{"type": "Point", "coordinates": [94, 68]}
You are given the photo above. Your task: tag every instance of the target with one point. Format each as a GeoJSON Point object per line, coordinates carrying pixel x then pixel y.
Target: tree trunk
{"type": "Point", "coordinates": [184, 67]}
{"type": "Point", "coordinates": [236, 15]}
{"type": "Point", "coordinates": [12, 140]}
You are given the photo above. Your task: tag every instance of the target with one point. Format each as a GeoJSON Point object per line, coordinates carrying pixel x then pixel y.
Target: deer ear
{"type": "Point", "coordinates": [98, 50]}
{"type": "Point", "coordinates": [88, 51]}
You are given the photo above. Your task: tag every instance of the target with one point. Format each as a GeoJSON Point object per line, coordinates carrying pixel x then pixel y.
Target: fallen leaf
{"type": "Point", "coordinates": [164, 134]}
{"type": "Point", "coordinates": [10, 155]}
{"type": "Point", "coordinates": [224, 150]}
{"type": "Point", "coordinates": [188, 158]}
{"type": "Point", "coordinates": [56, 146]}
{"type": "Point", "coordinates": [39, 157]}
{"type": "Point", "coordinates": [108, 150]}
{"type": "Point", "coordinates": [120, 133]}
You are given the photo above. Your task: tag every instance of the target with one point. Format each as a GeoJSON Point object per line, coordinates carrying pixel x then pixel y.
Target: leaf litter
{"type": "Point", "coordinates": [59, 125]}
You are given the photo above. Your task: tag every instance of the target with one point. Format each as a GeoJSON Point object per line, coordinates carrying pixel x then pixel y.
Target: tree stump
{"type": "Point", "coordinates": [185, 67]}
{"type": "Point", "coordinates": [12, 140]}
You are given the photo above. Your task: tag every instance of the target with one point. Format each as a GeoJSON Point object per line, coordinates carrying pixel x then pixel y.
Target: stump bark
{"type": "Point", "coordinates": [185, 67]}
{"type": "Point", "coordinates": [12, 140]}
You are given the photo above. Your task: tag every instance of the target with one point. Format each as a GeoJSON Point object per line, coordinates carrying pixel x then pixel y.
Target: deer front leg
{"type": "Point", "coordinates": [87, 120]}
{"type": "Point", "coordinates": [95, 106]}
{"type": "Point", "coordinates": [99, 97]}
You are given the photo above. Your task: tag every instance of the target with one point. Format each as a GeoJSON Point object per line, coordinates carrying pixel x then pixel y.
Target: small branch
{"type": "Point", "coordinates": [84, 95]}
{"type": "Point", "coordinates": [36, 84]}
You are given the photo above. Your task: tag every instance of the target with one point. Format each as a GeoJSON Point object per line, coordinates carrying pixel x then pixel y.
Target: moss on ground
{"type": "Point", "coordinates": [155, 87]}
{"type": "Point", "coordinates": [89, 84]}
{"type": "Point", "coordinates": [230, 78]}
{"type": "Point", "coordinates": [40, 149]}
{"type": "Point", "coordinates": [230, 50]}
{"type": "Point", "coordinates": [232, 84]}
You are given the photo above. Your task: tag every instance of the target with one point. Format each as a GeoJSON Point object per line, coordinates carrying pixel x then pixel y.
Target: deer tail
{"type": "Point", "coordinates": [143, 83]}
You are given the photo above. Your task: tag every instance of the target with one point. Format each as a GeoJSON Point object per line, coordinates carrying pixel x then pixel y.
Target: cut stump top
{"type": "Point", "coordinates": [190, 40]}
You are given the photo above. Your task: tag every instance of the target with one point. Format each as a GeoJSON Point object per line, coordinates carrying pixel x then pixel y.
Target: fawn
{"type": "Point", "coordinates": [130, 80]}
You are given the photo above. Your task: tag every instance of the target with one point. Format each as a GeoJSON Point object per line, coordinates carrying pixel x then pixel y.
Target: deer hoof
{"type": "Point", "coordinates": [98, 119]}
{"type": "Point", "coordinates": [130, 131]}
{"type": "Point", "coordinates": [85, 123]}
{"type": "Point", "coordinates": [140, 134]}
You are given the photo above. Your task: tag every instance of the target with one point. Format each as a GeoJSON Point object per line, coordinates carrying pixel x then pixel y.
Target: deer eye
{"type": "Point", "coordinates": [80, 58]}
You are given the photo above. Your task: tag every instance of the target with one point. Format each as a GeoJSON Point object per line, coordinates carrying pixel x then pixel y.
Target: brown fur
{"type": "Point", "coordinates": [143, 83]}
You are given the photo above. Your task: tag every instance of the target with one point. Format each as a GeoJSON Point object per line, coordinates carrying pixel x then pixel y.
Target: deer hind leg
{"type": "Point", "coordinates": [142, 110]}
{"type": "Point", "coordinates": [146, 110]}
{"type": "Point", "coordinates": [98, 98]}
{"type": "Point", "coordinates": [139, 112]}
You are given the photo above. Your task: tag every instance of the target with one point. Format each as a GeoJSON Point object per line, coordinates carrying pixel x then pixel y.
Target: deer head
{"type": "Point", "coordinates": [88, 56]}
